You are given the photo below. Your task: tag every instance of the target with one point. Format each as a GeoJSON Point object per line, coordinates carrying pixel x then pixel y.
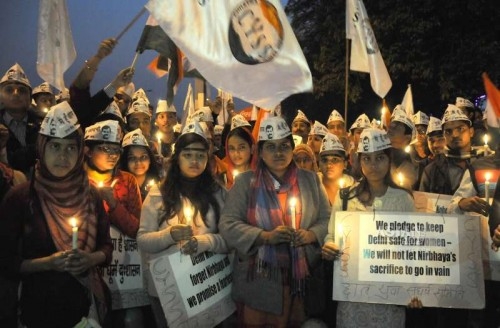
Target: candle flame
{"type": "Point", "coordinates": [158, 136]}
{"type": "Point", "coordinates": [151, 182]}
{"type": "Point", "coordinates": [188, 213]}
{"type": "Point", "coordinates": [293, 202]}
{"type": "Point", "coordinates": [487, 176]}
{"type": "Point", "coordinates": [407, 149]}
{"type": "Point", "coordinates": [73, 222]}
{"type": "Point", "coordinates": [100, 184]}
{"type": "Point", "coordinates": [45, 110]}
{"type": "Point", "coordinates": [235, 173]}
{"type": "Point", "coordinates": [341, 183]}
{"type": "Point", "coordinates": [486, 138]}
{"type": "Point", "coordinates": [400, 178]}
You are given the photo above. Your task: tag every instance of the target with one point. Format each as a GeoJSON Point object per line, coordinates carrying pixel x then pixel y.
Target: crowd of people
{"type": "Point", "coordinates": [113, 159]}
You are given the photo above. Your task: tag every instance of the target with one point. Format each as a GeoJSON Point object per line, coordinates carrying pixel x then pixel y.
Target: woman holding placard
{"type": "Point", "coordinates": [54, 232]}
{"type": "Point", "coordinates": [376, 190]}
{"type": "Point", "coordinates": [183, 210]}
{"type": "Point", "coordinates": [276, 219]}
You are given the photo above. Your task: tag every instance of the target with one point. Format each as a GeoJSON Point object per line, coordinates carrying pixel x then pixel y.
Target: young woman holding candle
{"type": "Point", "coordinates": [332, 163]}
{"type": "Point", "coordinates": [60, 283]}
{"type": "Point", "coordinates": [376, 190]}
{"type": "Point", "coordinates": [185, 208]}
{"type": "Point", "coordinates": [119, 189]}
{"type": "Point", "coordinates": [272, 259]}
{"type": "Point", "coordinates": [240, 146]}
{"type": "Point", "coordinates": [138, 159]}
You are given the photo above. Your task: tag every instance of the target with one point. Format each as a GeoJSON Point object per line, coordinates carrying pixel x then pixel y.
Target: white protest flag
{"type": "Point", "coordinates": [226, 97]}
{"type": "Point", "coordinates": [407, 102]}
{"type": "Point", "coordinates": [188, 108]}
{"type": "Point", "coordinates": [245, 47]}
{"type": "Point", "coordinates": [365, 54]}
{"type": "Point", "coordinates": [56, 51]}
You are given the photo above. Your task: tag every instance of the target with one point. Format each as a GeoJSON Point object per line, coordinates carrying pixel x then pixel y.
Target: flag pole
{"type": "Point", "coordinates": [129, 25]}
{"type": "Point", "coordinates": [135, 59]}
{"type": "Point", "coordinates": [346, 92]}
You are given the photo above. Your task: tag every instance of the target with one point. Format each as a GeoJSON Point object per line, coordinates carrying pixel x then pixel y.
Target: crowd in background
{"type": "Point", "coordinates": [115, 159]}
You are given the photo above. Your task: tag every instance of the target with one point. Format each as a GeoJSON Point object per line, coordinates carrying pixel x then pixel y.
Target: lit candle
{"type": "Point", "coordinates": [293, 203]}
{"type": "Point", "coordinates": [74, 229]}
{"type": "Point", "coordinates": [400, 178]}
{"type": "Point", "coordinates": [100, 184]}
{"type": "Point", "coordinates": [188, 214]}
{"type": "Point", "coordinates": [341, 183]}
{"type": "Point", "coordinates": [45, 110]}
{"type": "Point", "coordinates": [340, 233]}
{"type": "Point", "coordinates": [114, 182]}
{"type": "Point", "coordinates": [487, 177]}
{"type": "Point", "coordinates": [158, 137]}
{"type": "Point", "coordinates": [235, 173]}
{"type": "Point", "coordinates": [407, 149]}
{"type": "Point", "coordinates": [486, 138]}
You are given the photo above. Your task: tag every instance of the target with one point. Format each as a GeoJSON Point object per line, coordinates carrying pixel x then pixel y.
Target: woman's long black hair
{"type": "Point", "coordinates": [200, 190]}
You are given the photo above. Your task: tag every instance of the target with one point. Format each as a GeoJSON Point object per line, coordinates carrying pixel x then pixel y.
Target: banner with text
{"type": "Point", "coordinates": [391, 257]}
{"type": "Point", "coordinates": [124, 275]}
{"type": "Point", "coordinates": [194, 291]}
{"type": "Point", "coordinates": [436, 203]}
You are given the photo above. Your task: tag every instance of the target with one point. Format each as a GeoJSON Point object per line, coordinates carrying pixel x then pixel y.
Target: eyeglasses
{"type": "Point", "coordinates": [331, 160]}
{"type": "Point", "coordinates": [282, 148]}
{"type": "Point", "coordinates": [110, 150]}
{"type": "Point", "coordinates": [460, 129]}
{"type": "Point", "coordinates": [142, 159]}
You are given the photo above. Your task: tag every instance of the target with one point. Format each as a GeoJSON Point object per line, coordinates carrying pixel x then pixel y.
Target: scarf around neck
{"type": "Point", "coordinates": [264, 211]}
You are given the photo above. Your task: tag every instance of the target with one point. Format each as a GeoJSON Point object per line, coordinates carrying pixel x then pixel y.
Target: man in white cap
{"type": "Point", "coordinates": [475, 115]}
{"type": "Point", "coordinates": [166, 119]}
{"type": "Point", "coordinates": [444, 173]}
{"type": "Point", "coordinates": [139, 117]}
{"type": "Point", "coordinates": [361, 123]}
{"type": "Point", "coordinates": [43, 97]}
{"type": "Point", "coordinates": [301, 125]}
{"type": "Point", "coordinates": [15, 117]}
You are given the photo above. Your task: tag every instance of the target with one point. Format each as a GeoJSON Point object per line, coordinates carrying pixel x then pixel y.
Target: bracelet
{"type": "Point", "coordinates": [89, 67]}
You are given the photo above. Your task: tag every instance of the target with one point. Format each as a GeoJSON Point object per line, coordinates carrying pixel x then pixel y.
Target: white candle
{"type": "Point", "coordinates": [188, 214]}
{"type": "Point", "coordinates": [487, 177]}
{"type": "Point", "coordinates": [158, 137]}
{"type": "Point", "coordinates": [74, 229]}
{"type": "Point", "coordinates": [400, 178]}
{"type": "Point", "coordinates": [235, 173]}
{"type": "Point", "coordinates": [340, 233]}
{"type": "Point", "coordinates": [486, 139]}
{"type": "Point", "coordinates": [293, 203]}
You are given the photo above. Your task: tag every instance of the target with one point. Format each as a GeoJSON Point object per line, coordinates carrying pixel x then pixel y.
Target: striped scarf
{"type": "Point", "coordinates": [264, 211]}
{"type": "Point", "coordinates": [64, 198]}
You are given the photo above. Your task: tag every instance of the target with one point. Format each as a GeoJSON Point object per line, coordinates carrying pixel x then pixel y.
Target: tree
{"type": "Point", "coordinates": [439, 47]}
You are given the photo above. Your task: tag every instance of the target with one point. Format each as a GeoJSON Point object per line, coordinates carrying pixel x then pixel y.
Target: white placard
{"type": "Point", "coordinates": [194, 291]}
{"type": "Point", "coordinates": [124, 275]}
{"type": "Point", "coordinates": [390, 257]}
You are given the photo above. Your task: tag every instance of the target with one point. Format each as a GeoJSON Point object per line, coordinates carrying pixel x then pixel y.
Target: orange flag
{"type": "Point", "coordinates": [492, 94]}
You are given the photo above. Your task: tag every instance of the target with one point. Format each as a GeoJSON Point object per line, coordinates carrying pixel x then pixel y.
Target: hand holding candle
{"type": "Point", "coordinates": [158, 138]}
{"type": "Point", "coordinates": [74, 229]}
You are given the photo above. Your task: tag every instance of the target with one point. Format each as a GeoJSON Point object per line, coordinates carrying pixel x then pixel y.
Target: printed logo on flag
{"type": "Point", "coordinates": [255, 32]}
